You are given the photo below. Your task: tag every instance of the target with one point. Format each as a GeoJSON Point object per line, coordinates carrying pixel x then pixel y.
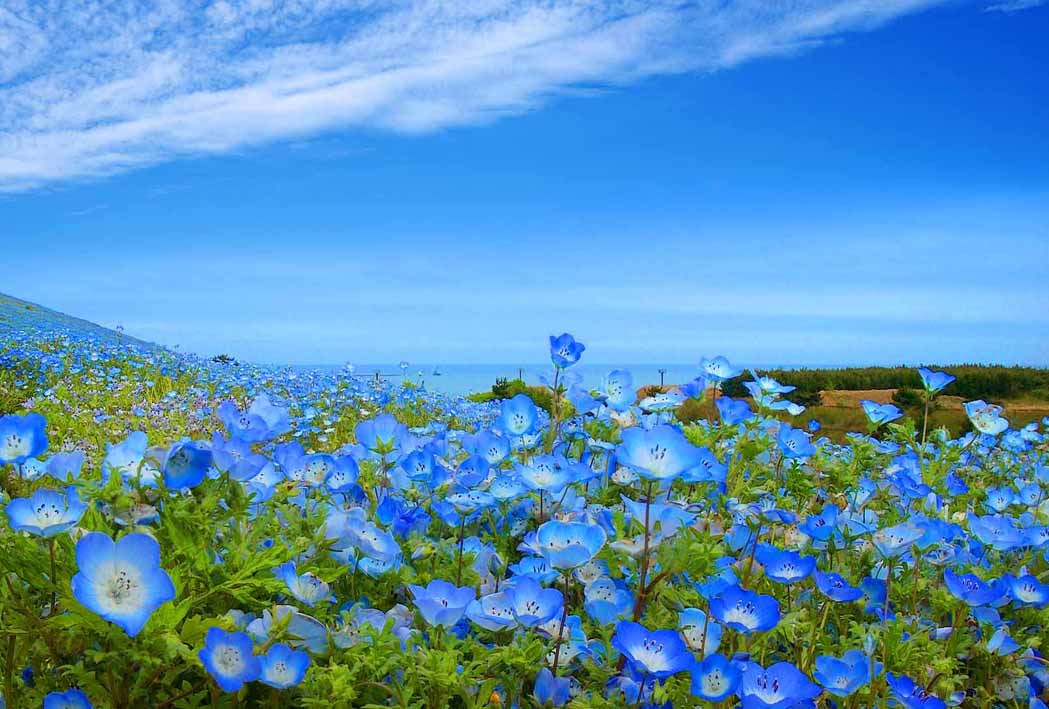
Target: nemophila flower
{"type": "Point", "coordinates": [59, 466]}
{"type": "Point", "coordinates": [299, 629]}
{"type": "Point", "coordinates": [874, 594]}
{"type": "Point", "coordinates": [617, 390]}
{"type": "Point", "coordinates": [794, 443]}
{"type": "Point", "coordinates": [186, 465]}
{"type": "Point", "coordinates": [121, 581]}
{"type": "Point", "coordinates": [715, 678]}
{"type": "Point", "coordinates": [128, 460]}
{"type": "Point", "coordinates": [262, 421]}
{"type": "Point", "coordinates": [834, 587]}
{"type": "Point", "coordinates": [700, 633]}
{"type": "Point", "coordinates": [230, 658]}
{"type": "Point", "coordinates": [780, 686]}
{"type": "Point", "coordinates": [971, 589]}
{"type": "Point", "coordinates": [306, 587]}
{"type": "Point", "coordinates": [733, 411]}
{"type": "Point", "coordinates": [784, 567]}
{"type": "Point", "coordinates": [70, 699]}
{"type": "Point", "coordinates": [46, 513]}
{"type": "Point", "coordinates": [897, 540]}
{"type": "Point", "coordinates": [22, 438]}
{"type": "Point", "coordinates": [491, 446]}
{"type": "Point", "coordinates": [607, 601]}
{"type": "Point", "coordinates": [551, 690]}
{"type": "Point", "coordinates": [709, 469]}
{"type": "Point", "coordinates": [440, 603]}
{"type": "Point", "coordinates": [282, 667]}
{"type": "Point", "coordinates": [1001, 643]}
{"type": "Point", "coordinates": [843, 677]}
{"type": "Point", "coordinates": [493, 611]}
{"type": "Point", "coordinates": [986, 418]}
{"type": "Point", "coordinates": [744, 610]}
{"type": "Point", "coordinates": [997, 531]}
{"type": "Point", "coordinates": [662, 401]}
{"type": "Point", "coordinates": [517, 416]}
{"type": "Point", "coordinates": [1000, 499]}
{"type": "Point", "coordinates": [880, 414]}
{"type": "Point", "coordinates": [565, 351]}
{"type": "Point", "coordinates": [381, 435]}
{"type": "Point", "coordinates": [655, 653]}
{"type": "Point", "coordinates": [910, 695]}
{"type": "Point", "coordinates": [1027, 590]}
{"type": "Point", "coordinates": [820, 528]}
{"type": "Point", "coordinates": [718, 369]}
{"type": "Point", "coordinates": [531, 603]}
{"type": "Point", "coordinates": [546, 472]}
{"type": "Point", "coordinates": [934, 381]}
{"type": "Point", "coordinates": [566, 545]}
{"type": "Point", "coordinates": [660, 453]}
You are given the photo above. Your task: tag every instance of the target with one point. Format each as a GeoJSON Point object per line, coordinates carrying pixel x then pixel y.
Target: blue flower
{"type": "Point", "coordinates": [551, 690]}
{"type": "Point", "coordinates": [910, 695]}
{"type": "Point", "coordinates": [566, 545]}
{"type": "Point", "coordinates": [565, 351]}
{"type": "Point", "coordinates": [492, 612]}
{"type": "Point", "coordinates": [834, 587]}
{"type": "Point", "coordinates": [986, 418]}
{"type": "Point", "coordinates": [895, 541]}
{"type": "Point", "coordinates": [845, 676]}
{"type": "Point", "coordinates": [606, 601]}
{"type": "Point", "coordinates": [715, 678]}
{"type": "Point", "coordinates": [693, 623]}
{"type": "Point", "coordinates": [785, 567]}
{"type": "Point", "coordinates": [659, 453]}
{"type": "Point", "coordinates": [381, 435]}
{"type": "Point", "coordinates": [617, 390]}
{"type": "Point", "coordinates": [262, 421]}
{"type": "Point", "coordinates": [70, 699]}
{"type": "Point", "coordinates": [186, 465]}
{"type": "Point", "coordinates": [230, 658]}
{"type": "Point", "coordinates": [440, 603]}
{"type": "Point", "coordinates": [532, 604]}
{"type": "Point", "coordinates": [283, 667]}
{"type": "Point", "coordinates": [1027, 590]}
{"type": "Point", "coordinates": [971, 589]}
{"type": "Point", "coordinates": [45, 513]}
{"type": "Point", "coordinates": [934, 381]}
{"type": "Point", "coordinates": [656, 653]}
{"type": "Point", "coordinates": [517, 416]}
{"type": "Point", "coordinates": [880, 414]}
{"type": "Point", "coordinates": [733, 411]}
{"type": "Point", "coordinates": [745, 610]}
{"type": "Point", "coordinates": [121, 581]}
{"type": "Point", "coordinates": [794, 443]}
{"type": "Point", "coordinates": [307, 588]}
{"type": "Point", "coordinates": [22, 437]}
{"type": "Point", "coordinates": [718, 370]}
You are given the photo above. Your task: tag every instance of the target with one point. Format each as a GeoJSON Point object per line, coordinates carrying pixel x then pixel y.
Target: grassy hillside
{"type": "Point", "coordinates": [27, 318]}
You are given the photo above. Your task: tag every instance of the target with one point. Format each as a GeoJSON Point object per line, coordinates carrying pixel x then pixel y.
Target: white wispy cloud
{"type": "Point", "coordinates": [1014, 5]}
{"type": "Point", "coordinates": [89, 89]}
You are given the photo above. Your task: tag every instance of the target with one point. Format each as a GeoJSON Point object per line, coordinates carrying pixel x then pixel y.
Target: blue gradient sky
{"type": "Point", "coordinates": [877, 191]}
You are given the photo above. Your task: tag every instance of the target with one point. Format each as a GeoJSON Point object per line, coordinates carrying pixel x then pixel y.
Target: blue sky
{"type": "Point", "coordinates": [823, 181]}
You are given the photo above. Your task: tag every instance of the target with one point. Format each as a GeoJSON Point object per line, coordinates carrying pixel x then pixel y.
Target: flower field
{"type": "Point", "coordinates": [178, 532]}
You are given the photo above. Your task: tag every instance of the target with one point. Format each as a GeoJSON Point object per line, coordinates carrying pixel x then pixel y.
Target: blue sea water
{"type": "Point", "coordinates": [470, 378]}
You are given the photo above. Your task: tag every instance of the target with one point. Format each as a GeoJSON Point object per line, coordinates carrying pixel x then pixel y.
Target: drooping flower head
{"type": "Point", "coordinates": [880, 414]}
{"type": "Point", "coordinates": [121, 581]}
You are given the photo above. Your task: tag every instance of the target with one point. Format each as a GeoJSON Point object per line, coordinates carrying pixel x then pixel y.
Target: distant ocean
{"type": "Point", "coordinates": [470, 378]}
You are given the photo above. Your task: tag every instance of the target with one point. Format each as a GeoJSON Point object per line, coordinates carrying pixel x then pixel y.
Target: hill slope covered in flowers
{"type": "Point", "coordinates": [180, 533]}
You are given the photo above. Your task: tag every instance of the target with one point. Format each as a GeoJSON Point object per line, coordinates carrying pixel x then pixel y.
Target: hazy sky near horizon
{"type": "Point", "coordinates": [821, 181]}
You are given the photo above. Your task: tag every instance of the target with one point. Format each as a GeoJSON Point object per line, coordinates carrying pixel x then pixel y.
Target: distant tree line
{"type": "Point", "coordinates": [974, 381]}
